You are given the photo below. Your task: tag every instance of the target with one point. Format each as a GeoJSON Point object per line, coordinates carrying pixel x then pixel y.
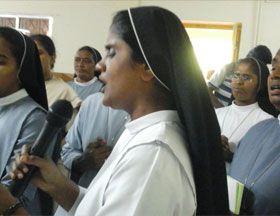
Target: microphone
{"type": "Point", "coordinates": [57, 117]}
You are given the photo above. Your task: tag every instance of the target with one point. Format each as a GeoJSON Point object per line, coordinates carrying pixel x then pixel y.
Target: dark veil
{"type": "Point", "coordinates": [30, 72]}
{"type": "Point", "coordinates": [169, 54]}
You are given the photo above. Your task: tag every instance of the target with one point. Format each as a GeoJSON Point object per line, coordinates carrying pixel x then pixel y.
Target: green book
{"type": "Point", "coordinates": [235, 193]}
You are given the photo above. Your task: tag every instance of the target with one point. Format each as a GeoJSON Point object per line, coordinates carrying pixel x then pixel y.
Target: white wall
{"type": "Point", "coordinates": [77, 23]}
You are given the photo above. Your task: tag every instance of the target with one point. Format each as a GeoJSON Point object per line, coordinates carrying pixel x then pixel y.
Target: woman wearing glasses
{"type": "Point", "coordinates": [250, 106]}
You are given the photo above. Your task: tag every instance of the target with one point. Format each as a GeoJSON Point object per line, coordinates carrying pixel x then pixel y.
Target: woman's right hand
{"type": "Point", "coordinates": [48, 177]}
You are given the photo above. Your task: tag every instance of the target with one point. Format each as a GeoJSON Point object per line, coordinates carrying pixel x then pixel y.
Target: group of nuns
{"type": "Point", "coordinates": [168, 54]}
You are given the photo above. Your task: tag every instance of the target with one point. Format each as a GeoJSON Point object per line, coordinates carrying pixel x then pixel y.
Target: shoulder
{"type": "Point", "coordinates": [262, 125]}
{"type": "Point", "coordinates": [26, 105]}
{"type": "Point", "coordinates": [264, 115]}
{"type": "Point", "coordinates": [222, 110]}
{"type": "Point", "coordinates": [93, 99]}
{"type": "Point", "coordinates": [163, 131]}
{"type": "Point", "coordinates": [71, 83]}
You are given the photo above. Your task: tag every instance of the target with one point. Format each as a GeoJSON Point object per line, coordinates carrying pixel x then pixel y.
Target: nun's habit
{"type": "Point", "coordinates": [256, 164]}
{"type": "Point", "coordinates": [83, 90]}
{"type": "Point", "coordinates": [170, 54]}
{"type": "Point", "coordinates": [150, 171]}
{"type": "Point", "coordinates": [22, 113]}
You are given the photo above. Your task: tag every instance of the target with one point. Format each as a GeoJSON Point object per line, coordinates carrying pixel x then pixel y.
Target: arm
{"type": "Point", "coordinates": [214, 83]}
{"type": "Point", "coordinates": [7, 200]}
{"type": "Point", "coordinates": [93, 158]}
{"type": "Point", "coordinates": [48, 178]}
{"type": "Point", "coordinates": [215, 101]}
{"type": "Point", "coordinates": [29, 131]}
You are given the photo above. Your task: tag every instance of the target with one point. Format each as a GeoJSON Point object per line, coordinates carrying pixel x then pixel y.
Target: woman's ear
{"type": "Point", "coordinates": [146, 73]}
{"type": "Point", "coordinates": [52, 61]}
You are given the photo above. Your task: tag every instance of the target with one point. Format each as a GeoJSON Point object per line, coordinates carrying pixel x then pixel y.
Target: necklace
{"type": "Point", "coordinates": [238, 126]}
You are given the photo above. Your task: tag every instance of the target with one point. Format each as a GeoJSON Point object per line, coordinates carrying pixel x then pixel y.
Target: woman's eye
{"type": "Point", "coordinates": [111, 53]}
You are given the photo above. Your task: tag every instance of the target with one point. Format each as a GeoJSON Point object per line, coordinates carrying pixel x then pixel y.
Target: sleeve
{"type": "Point", "coordinates": [144, 183]}
{"type": "Point", "coordinates": [29, 132]}
{"type": "Point", "coordinates": [73, 147]}
{"type": "Point", "coordinates": [217, 78]}
{"type": "Point", "coordinates": [73, 97]}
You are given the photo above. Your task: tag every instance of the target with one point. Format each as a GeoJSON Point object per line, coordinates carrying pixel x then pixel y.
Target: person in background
{"type": "Point", "coordinates": [251, 103]}
{"type": "Point", "coordinates": [89, 141]}
{"type": "Point", "coordinates": [56, 88]}
{"type": "Point", "coordinates": [23, 107]}
{"type": "Point", "coordinates": [220, 82]}
{"type": "Point", "coordinates": [86, 80]}
{"type": "Point", "coordinates": [256, 161]}
{"type": "Point", "coordinates": [172, 143]}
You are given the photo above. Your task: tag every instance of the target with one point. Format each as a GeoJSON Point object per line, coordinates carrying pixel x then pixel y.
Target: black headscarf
{"type": "Point", "coordinates": [170, 56]}
{"type": "Point", "coordinates": [30, 72]}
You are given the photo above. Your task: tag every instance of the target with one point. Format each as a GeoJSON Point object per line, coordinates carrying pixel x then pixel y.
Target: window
{"type": "Point", "coordinates": [28, 24]}
{"type": "Point", "coordinates": [215, 43]}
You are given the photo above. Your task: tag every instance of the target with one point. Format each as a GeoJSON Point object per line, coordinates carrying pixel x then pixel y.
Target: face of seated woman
{"type": "Point", "coordinates": [8, 70]}
{"type": "Point", "coordinates": [47, 61]}
{"type": "Point", "coordinates": [84, 66]}
{"type": "Point", "coordinates": [244, 85]}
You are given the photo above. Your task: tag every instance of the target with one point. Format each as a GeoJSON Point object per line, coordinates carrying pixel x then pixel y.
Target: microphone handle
{"type": "Point", "coordinates": [39, 148]}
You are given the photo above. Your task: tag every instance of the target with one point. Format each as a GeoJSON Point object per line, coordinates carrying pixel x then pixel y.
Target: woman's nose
{"type": "Point", "coordinates": [100, 66]}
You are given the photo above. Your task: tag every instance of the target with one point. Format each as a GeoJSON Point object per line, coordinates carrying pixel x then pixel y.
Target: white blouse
{"type": "Point", "coordinates": [148, 173]}
{"type": "Point", "coordinates": [235, 121]}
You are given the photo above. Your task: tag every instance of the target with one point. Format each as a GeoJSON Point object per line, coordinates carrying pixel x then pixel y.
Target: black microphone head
{"type": "Point", "coordinates": [60, 113]}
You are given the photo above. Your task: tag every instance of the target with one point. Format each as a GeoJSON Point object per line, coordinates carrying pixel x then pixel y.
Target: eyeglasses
{"type": "Point", "coordinates": [244, 77]}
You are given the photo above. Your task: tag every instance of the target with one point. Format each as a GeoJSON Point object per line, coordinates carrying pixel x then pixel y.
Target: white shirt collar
{"type": "Point", "coordinates": [150, 119]}
{"type": "Point", "coordinates": [13, 97]}
{"type": "Point", "coordinates": [85, 83]}
{"type": "Point", "coordinates": [245, 108]}
{"type": "Point", "coordinates": [279, 118]}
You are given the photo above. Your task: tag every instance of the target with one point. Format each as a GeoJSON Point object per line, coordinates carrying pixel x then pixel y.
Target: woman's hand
{"type": "Point", "coordinates": [93, 158]}
{"type": "Point", "coordinates": [48, 178]}
{"type": "Point", "coordinates": [228, 155]}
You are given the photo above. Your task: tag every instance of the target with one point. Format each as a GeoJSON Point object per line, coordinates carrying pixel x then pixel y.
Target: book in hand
{"type": "Point", "coordinates": [235, 193]}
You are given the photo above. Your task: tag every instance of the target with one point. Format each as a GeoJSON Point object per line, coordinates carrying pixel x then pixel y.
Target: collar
{"type": "Point", "coordinates": [85, 83]}
{"type": "Point", "coordinates": [279, 118]}
{"type": "Point", "coordinates": [13, 97]}
{"type": "Point", "coordinates": [150, 119]}
{"type": "Point", "coordinates": [245, 108]}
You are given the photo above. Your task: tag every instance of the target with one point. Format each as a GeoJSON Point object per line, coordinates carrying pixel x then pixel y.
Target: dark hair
{"type": "Point", "coordinates": [261, 53]}
{"type": "Point", "coordinates": [46, 42]}
{"type": "Point", "coordinates": [262, 72]}
{"type": "Point", "coordinates": [122, 26]}
{"type": "Point", "coordinates": [14, 42]}
{"type": "Point", "coordinates": [94, 52]}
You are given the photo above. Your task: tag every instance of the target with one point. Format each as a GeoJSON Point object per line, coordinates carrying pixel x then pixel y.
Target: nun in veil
{"type": "Point", "coordinates": [168, 161]}
{"type": "Point", "coordinates": [23, 104]}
